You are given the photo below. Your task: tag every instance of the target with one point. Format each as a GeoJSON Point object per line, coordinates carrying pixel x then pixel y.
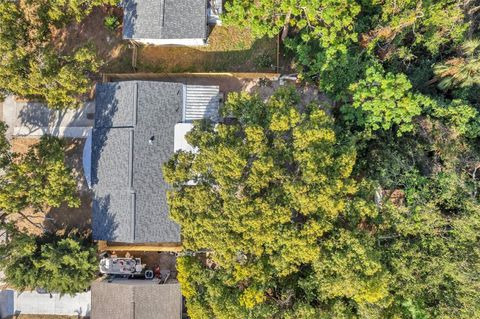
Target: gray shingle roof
{"type": "Point", "coordinates": [165, 19]}
{"type": "Point", "coordinates": [135, 299]}
{"type": "Point", "coordinates": [129, 191]}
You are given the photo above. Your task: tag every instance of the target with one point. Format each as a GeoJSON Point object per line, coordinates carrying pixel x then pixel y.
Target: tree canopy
{"type": "Point", "coordinates": [330, 21]}
{"type": "Point", "coordinates": [381, 101]}
{"type": "Point", "coordinates": [38, 179]}
{"type": "Point", "coordinates": [56, 264]}
{"type": "Point", "coordinates": [30, 66]}
{"type": "Point", "coordinates": [285, 202]}
{"type": "Point", "coordinates": [5, 152]}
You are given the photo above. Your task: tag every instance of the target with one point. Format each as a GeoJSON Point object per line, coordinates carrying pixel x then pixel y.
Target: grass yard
{"type": "Point", "coordinates": [230, 49]}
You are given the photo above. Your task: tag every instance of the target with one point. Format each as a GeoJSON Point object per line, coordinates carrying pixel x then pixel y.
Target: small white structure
{"type": "Point", "coordinates": [200, 102]}
{"type": "Point", "coordinates": [121, 266]}
{"type": "Point", "coordinates": [180, 142]}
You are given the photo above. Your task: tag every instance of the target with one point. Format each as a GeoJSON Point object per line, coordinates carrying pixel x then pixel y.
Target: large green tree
{"type": "Point", "coordinates": [329, 20]}
{"type": "Point", "coordinates": [5, 151]}
{"type": "Point", "coordinates": [56, 264]}
{"type": "Point", "coordinates": [271, 195]}
{"type": "Point", "coordinates": [462, 71]}
{"type": "Point", "coordinates": [430, 242]}
{"type": "Point", "coordinates": [419, 247]}
{"type": "Point", "coordinates": [30, 66]}
{"type": "Point", "coordinates": [286, 207]}
{"type": "Point", "coordinates": [383, 101]}
{"type": "Point", "coordinates": [402, 27]}
{"type": "Point", "coordinates": [38, 179]}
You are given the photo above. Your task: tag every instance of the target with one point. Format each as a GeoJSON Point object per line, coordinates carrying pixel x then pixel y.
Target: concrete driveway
{"type": "Point", "coordinates": [31, 302]}
{"type": "Point", "coordinates": [33, 119]}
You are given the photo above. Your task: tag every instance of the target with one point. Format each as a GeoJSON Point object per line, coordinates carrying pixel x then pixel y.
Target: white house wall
{"type": "Point", "coordinates": [179, 42]}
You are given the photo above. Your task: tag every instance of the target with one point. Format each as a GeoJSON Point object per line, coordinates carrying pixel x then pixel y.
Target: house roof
{"type": "Point", "coordinates": [135, 299]}
{"type": "Point", "coordinates": [133, 137]}
{"type": "Point", "coordinates": [165, 19]}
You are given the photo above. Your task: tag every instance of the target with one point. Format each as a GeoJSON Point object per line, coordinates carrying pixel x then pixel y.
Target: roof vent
{"type": "Point", "coordinates": [150, 141]}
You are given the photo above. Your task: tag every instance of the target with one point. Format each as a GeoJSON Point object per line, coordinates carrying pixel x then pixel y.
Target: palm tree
{"type": "Point", "coordinates": [463, 71]}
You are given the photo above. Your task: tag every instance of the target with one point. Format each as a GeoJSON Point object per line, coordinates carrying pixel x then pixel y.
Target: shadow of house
{"type": "Point", "coordinates": [104, 224]}
{"type": "Point", "coordinates": [129, 18]}
{"type": "Point", "coordinates": [68, 219]}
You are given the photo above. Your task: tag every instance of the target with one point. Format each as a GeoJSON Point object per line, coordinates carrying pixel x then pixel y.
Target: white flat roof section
{"type": "Point", "coordinates": [201, 102]}
{"type": "Point", "coordinates": [180, 142]}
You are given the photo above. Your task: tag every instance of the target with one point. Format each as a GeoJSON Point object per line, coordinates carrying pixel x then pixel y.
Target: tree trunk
{"type": "Point", "coordinates": [286, 26]}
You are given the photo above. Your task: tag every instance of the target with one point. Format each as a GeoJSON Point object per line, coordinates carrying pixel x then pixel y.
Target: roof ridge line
{"type": "Point", "coordinates": [135, 104]}
{"type": "Point", "coordinates": [130, 181]}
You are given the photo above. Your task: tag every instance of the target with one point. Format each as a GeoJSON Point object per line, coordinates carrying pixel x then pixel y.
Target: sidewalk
{"type": "Point", "coordinates": [33, 119]}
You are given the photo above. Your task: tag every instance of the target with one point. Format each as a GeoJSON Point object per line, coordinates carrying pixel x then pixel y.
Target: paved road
{"type": "Point", "coordinates": [33, 119]}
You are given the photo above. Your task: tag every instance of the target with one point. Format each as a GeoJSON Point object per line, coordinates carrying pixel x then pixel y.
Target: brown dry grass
{"type": "Point", "coordinates": [91, 31]}
{"type": "Point", "coordinates": [22, 145]}
{"type": "Point", "coordinates": [230, 49]}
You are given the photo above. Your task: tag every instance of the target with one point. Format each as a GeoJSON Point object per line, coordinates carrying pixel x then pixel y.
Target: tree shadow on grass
{"type": "Point", "coordinates": [226, 53]}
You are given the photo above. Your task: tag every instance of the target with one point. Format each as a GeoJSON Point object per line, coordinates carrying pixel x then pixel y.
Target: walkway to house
{"type": "Point", "coordinates": [33, 119]}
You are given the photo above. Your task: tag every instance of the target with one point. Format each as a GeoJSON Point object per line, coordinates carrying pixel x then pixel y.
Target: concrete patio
{"type": "Point", "coordinates": [30, 302]}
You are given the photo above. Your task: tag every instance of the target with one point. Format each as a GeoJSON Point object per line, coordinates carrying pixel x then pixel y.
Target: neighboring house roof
{"type": "Point", "coordinates": [165, 19]}
{"type": "Point", "coordinates": [136, 299]}
{"type": "Point", "coordinates": [133, 137]}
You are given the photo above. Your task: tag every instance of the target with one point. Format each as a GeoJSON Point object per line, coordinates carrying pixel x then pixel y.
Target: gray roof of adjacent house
{"type": "Point", "coordinates": [165, 19]}
{"type": "Point", "coordinates": [133, 137]}
{"type": "Point", "coordinates": [136, 299]}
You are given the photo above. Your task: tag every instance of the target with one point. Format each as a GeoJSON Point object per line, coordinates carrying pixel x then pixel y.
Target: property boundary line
{"type": "Point", "coordinates": [106, 77]}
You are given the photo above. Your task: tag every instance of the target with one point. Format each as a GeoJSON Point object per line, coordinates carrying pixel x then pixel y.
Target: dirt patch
{"type": "Point", "coordinates": [65, 219]}
{"type": "Point", "coordinates": [29, 221]}
{"type": "Point", "coordinates": [91, 31]}
{"type": "Point", "coordinates": [22, 145]}
{"type": "Point", "coordinates": [74, 160]}
{"type": "Point", "coordinates": [230, 49]}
